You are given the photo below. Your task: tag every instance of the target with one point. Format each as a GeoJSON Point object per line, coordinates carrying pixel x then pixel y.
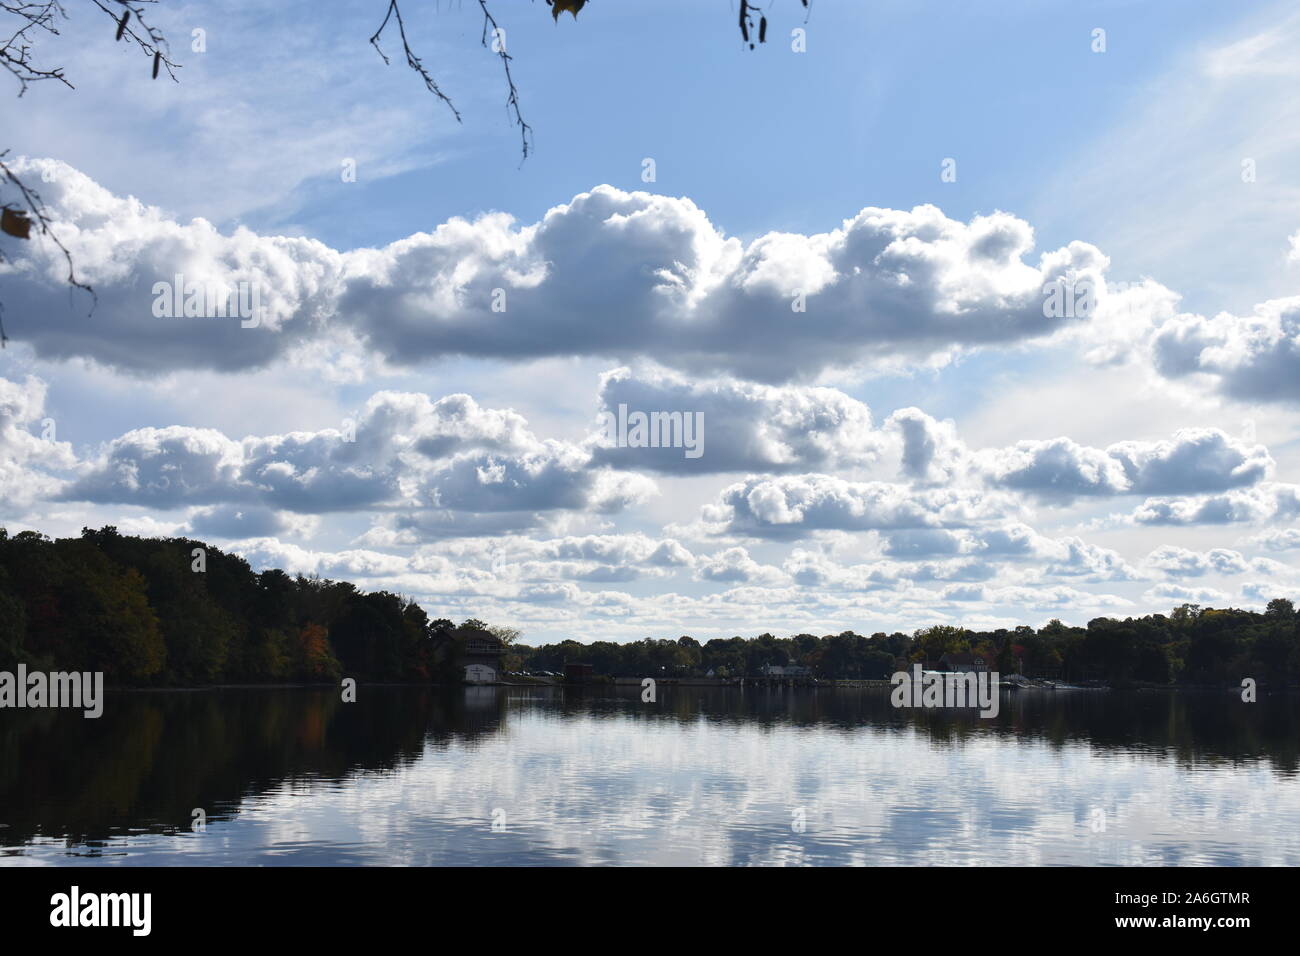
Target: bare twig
{"type": "Point", "coordinates": [37, 16]}
{"type": "Point", "coordinates": [16, 52]}
{"type": "Point", "coordinates": [34, 208]}
{"type": "Point", "coordinates": [394, 13]}
{"type": "Point", "coordinates": [42, 16]}
{"type": "Point", "coordinates": [512, 95]}
{"type": "Point", "coordinates": [129, 15]}
{"type": "Point", "coordinates": [413, 61]}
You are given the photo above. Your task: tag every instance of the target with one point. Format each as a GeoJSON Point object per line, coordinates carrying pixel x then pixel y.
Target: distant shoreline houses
{"type": "Point", "coordinates": [955, 663]}
{"type": "Point", "coordinates": [477, 658]}
{"type": "Point", "coordinates": [480, 674]}
{"type": "Point", "coordinates": [786, 670]}
{"type": "Point", "coordinates": [470, 654]}
{"type": "Point", "coordinates": [482, 657]}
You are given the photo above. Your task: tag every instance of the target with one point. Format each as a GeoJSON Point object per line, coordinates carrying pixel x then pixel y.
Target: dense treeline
{"type": "Point", "coordinates": [136, 609]}
{"type": "Point", "coordinates": [1192, 645]}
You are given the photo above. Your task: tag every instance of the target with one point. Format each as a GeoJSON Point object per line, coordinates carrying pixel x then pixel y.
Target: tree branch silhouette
{"type": "Point", "coordinates": [152, 43]}
{"type": "Point", "coordinates": [395, 13]}
{"type": "Point", "coordinates": [16, 55]}
{"type": "Point", "coordinates": [512, 97]}
{"type": "Point", "coordinates": [36, 17]}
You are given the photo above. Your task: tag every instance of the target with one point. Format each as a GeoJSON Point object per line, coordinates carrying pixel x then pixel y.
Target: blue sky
{"type": "Point", "coordinates": [884, 93]}
{"type": "Point", "coordinates": [1138, 459]}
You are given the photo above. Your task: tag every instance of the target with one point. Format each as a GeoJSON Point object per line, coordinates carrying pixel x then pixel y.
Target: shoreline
{"type": "Point", "coordinates": [695, 682]}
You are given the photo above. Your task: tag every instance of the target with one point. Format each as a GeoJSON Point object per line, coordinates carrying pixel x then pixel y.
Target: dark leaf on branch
{"type": "Point", "coordinates": [16, 223]}
{"type": "Point", "coordinates": [560, 6]}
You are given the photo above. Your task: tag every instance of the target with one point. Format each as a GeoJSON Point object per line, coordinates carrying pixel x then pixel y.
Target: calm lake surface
{"type": "Point", "coordinates": [703, 776]}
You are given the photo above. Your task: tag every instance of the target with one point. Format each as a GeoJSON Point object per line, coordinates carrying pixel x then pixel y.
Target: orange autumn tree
{"type": "Point", "coordinates": [316, 660]}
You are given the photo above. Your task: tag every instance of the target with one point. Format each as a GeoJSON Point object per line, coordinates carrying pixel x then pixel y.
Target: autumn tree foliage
{"type": "Point", "coordinates": [79, 609]}
{"type": "Point", "coordinates": [137, 609]}
{"type": "Point", "coordinates": [315, 659]}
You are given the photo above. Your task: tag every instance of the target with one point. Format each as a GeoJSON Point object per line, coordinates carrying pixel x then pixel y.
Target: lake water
{"type": "Point", "coordinates": [704, 776]}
